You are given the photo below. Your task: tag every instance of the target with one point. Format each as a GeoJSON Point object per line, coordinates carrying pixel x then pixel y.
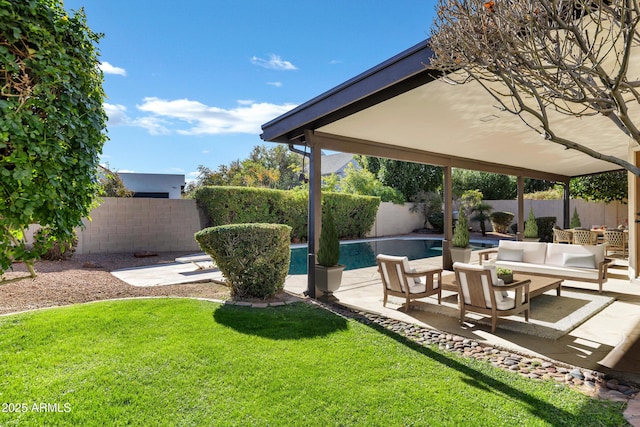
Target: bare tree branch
{"type": "Point", "coordinates": [571, 56]}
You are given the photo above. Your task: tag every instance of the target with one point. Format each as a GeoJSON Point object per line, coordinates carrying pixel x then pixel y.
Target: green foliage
{"type": "Point", "coordinates": [113, 186]}
{"type": "Point", "coordinates": [51, 123]}
{"type": "Point", "coordinates": [461, 232]}
{"type": "Point", "coordinates": [364, 183]}
{"type": "Point", "coordinates": [276, 168]}
{"type": "Point", "coordinates": [56, 250]}
{"type": "Point", "coordinates": [530, 226]}
{"type": "Point", "coordinates": [555, 193]}
{"type": "Point", "coordinates": [436, 219]}
{"type": "Point", "coordinates": [492, 186]}
{"type": "Point", "coordinates": [254, 258]}
{"type": "Point", "coordinates": [500, 221]}
{"type": "Point", "coordinates": [545, 228]}
{"type": "Point", "coordinates": [575, 219]}
{"type": "Point", "coordinates": [426, 203]}
{"type": "Point", "coordinates": [329, 251]}
{"type": "Point", "coordinates": [471, 201]}
{"type": "Point", "coordinates": [236, 205]}
{"type": "Point", "coordinates": [604, 187]}
{"type": "Point", "coordinates": [354, 215]}
{"type": "Point", "coordinates": [406, 177]}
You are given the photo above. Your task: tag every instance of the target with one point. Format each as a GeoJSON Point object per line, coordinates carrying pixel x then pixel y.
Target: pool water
{"type": "Point", "coordinates": [363, 254]}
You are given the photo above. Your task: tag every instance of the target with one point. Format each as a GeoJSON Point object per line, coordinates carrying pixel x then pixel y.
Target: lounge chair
{"type": "Point", "coordinates": [480, 291]}
{"type": "Point", "coordinates": [400, 280]}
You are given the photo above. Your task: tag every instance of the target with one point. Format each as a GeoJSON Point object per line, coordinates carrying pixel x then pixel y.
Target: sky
{"type": "Point", "coordinates": [190, 82]}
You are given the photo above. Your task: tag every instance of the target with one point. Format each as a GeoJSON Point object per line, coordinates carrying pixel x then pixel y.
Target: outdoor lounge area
{"type": "Point", "coordinates": [571, 323]}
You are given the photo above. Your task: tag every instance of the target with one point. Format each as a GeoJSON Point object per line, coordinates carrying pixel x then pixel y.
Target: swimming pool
{"type": "Point", "coordinates": [362, 254]}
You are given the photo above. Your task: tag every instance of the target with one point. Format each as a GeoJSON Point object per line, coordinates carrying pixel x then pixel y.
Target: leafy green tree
{"type": "Point", "coordinates": [605, 187]}
{"type": "Point", "coordinates": [493, 186]}
{"type": "Point", "coordinates": [363, 182]}
{"type": "Point", "coordinates": [406, 177]}
{"type": "Point", "coordinates": [276, 168]}
{"type": "Point", "coordinates": [52, 124]}
{"type": "Point", "coordinates": [112, 185]}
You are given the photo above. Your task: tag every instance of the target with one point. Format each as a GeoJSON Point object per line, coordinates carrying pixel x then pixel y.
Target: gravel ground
{"type": "Point", "coordinates": [85, 278]}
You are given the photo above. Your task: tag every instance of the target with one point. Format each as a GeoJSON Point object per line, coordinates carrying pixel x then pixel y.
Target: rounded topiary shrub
{"type": "Point", "coordinates": [254, 258]}
{"type": "Point", "coordinates": [500, 221]}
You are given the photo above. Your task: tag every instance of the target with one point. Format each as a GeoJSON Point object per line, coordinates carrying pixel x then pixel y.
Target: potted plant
{"type": "Point", "coordinates": [531, 228]}
{"type": "Point", "coordinates": [460, 249]}
{"type": "Point", "coordinates": [505, 274]}
{"type": "Point", "coordinates": [328, 271]}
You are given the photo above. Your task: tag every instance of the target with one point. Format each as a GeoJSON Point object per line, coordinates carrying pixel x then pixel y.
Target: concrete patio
{"type": "Point", "coordinates": [607, 342]}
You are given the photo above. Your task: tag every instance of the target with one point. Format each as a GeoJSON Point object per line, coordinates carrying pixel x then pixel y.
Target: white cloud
{"type": "Point", "coordinates": [273, 63]}
{"type": "Point", "coordinates": [205, 120]}
{"type": "Point", "coordinates": [110, 69]}
{"type": "Point", "coordinates": [276, 84]}
{"type": "Point", "coordinates": [117, 114]}
{"type": "Point", "coordinates": [335, 61]}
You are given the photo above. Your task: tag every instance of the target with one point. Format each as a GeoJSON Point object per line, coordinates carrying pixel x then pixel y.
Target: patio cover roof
{"type": "Point", "coordinates": [399, 109]}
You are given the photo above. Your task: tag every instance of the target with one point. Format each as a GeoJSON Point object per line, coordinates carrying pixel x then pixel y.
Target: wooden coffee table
{"type": "Point", "coordinates": [538, 285]}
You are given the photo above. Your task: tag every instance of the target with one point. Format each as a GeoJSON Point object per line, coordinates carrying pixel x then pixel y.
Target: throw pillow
{"type": "Point", "coordinates": [579, 260]}
{"type": "Point", "coordinates": [515, 255]}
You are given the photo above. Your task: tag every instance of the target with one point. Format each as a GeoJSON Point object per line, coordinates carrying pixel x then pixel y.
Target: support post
{"type": "Point", "coordinates": [447, 262]}
{"type": "Point", "coordinates": [566, 207]}
{"type": "Point", "coordinates": [520, 234]}
{"type": "Point", "coordinates": [314, 224]}
{"type": "Point", "coordinates": [634, 213]}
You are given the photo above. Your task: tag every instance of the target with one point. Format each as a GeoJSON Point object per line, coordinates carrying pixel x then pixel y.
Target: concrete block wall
{"type": "Point", "coordinates": [162, 225]}
{"type": "Point", "coordinates": [140, 224]}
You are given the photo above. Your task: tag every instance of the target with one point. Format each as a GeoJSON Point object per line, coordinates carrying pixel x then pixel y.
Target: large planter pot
{"type": "Point", "coordinates": [328, 279]}
{"type": "Point", "coordinates": [460, 254]}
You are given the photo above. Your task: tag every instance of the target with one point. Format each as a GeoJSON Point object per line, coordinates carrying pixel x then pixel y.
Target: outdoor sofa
{"type": "Point", "coordinates": [586, 263]}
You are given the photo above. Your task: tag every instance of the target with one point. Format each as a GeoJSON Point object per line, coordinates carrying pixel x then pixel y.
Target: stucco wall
{"type": "Point", "coordinates": [395, 219]}
{"type": "Point", "coordinates": [129, 225]}
{"type": "Point", "coordinates": [590, 213]}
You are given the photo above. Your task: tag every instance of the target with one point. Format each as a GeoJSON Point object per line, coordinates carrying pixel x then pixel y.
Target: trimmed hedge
{"type": "Point", "coordinates": [500, 221]}
{"type": "Point", "coordinates": [354, 215]}
{"type": "Point", "coordinates": [254, 258]}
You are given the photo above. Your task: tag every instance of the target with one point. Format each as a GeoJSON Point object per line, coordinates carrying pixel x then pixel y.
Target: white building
{"type": "Point", "coordinates": [155, 185]}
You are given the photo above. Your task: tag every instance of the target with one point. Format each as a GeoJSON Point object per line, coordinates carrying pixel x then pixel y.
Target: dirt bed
{"type": "Point", "coordinates": [85, 278]}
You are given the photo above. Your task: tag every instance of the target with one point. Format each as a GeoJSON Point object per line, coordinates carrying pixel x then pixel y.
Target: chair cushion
{"type": "Point", "coordinates": [417, 288]}
{"type": "Point", "coordinates": [506, 303]}
{"type": "Point", "coordinates": [579, 260]}
{"type": "Point", "coordinates": [506, 254]}
{"type": "Point", "coordinates": [485, 286]}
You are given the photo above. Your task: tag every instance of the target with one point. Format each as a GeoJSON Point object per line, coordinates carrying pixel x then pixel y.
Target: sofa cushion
{"type": "Point", "coordinates": [506, 254]}
{"type": "Point", "coordinates": [533, 252]}
{"type": "Point", "coordinates": [578, 260]}
{"type": "Point", "coordinates": [550, 270]}
{"type": "Point", "coordinates": [555, 253]}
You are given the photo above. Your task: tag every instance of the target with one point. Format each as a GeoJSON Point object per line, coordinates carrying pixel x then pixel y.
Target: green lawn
{"type": "Point", "coordinates": [183, 362]}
